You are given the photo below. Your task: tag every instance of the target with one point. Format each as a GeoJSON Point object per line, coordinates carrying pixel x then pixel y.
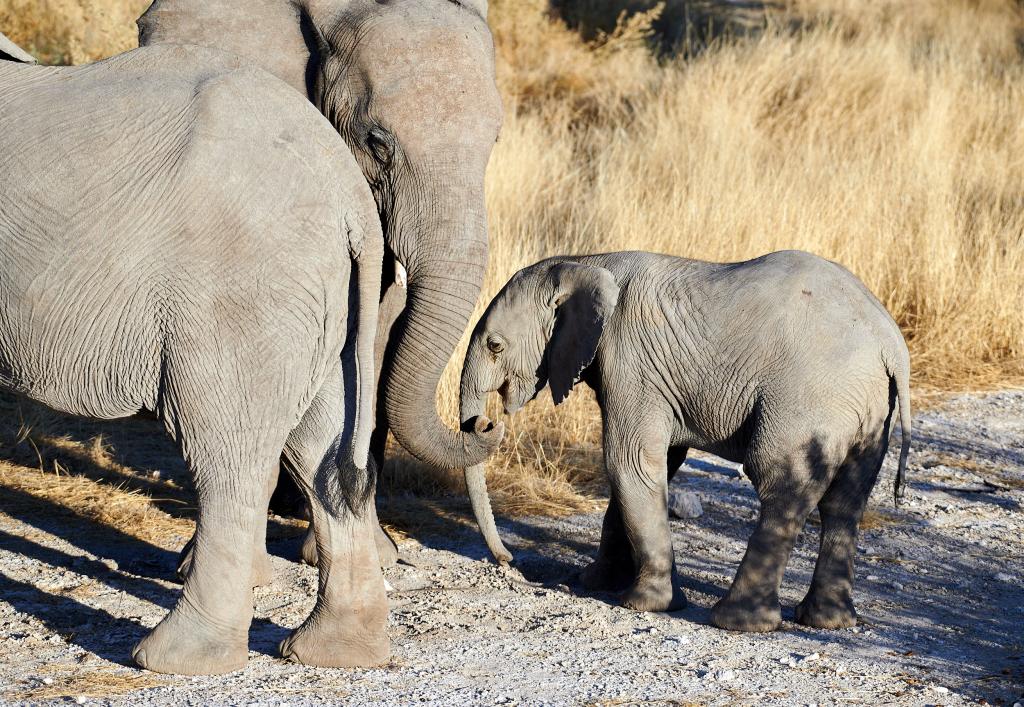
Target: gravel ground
{"type": "Point", "coordinates": [940, 591]}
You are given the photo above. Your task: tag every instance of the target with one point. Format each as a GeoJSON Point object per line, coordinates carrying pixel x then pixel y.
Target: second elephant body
{"type": "Point", "coordinates": [785, 363]}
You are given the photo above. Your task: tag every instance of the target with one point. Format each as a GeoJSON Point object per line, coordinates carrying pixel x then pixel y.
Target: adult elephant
{"type": "Point", "coordinates": [410, 86]}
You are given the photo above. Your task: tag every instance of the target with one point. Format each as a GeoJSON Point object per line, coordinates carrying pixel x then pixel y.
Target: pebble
{"type": "Point", "coordinates": [1003, 577]}
{"type": "Point", "coordinates": [725, 675]}
{"type": "Point", "coordinates": [684, 504]}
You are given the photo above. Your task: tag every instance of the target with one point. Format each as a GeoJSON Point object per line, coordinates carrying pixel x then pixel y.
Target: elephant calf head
{"type": "Point", "coordinates": [543, 328]}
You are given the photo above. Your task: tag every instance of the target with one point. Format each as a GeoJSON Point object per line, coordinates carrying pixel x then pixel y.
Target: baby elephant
{"type": "Point", "coordinates": [785, 363]}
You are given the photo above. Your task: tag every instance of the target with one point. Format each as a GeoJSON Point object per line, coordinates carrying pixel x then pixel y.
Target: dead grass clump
{"type": "Point", "coordinates": [98, 683]}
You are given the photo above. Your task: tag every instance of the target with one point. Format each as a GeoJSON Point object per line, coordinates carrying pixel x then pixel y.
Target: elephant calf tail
{"type": "Point", "coordinates": [898, 368]}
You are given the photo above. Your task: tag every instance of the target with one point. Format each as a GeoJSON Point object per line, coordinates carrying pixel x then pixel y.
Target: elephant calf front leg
{"type": "Point", "coordinates": [640, 486]}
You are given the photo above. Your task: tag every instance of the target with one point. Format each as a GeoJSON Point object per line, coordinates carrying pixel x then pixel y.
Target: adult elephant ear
{"type": "Point", "coordinates": [583, 297]}
{"type": "Point", "coordinates": [9, 51]}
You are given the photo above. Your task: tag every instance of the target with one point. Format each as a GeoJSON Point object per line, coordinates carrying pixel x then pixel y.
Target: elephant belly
{"type": "Point", "coordinates": [77, 353]}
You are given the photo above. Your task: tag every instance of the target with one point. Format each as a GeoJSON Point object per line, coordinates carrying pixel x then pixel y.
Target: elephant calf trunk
{"type": "Point", "coordinates": [476, 484]}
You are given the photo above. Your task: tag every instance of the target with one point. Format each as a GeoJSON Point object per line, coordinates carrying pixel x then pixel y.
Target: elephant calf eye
{"type": "Point", "coordinates": [495, 346]}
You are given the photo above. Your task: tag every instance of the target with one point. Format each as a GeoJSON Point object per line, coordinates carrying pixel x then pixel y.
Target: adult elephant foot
{"type": "Point", "coordinates": [186, 644]}
{"type": "Point", "coordinates": [350, 641]}
{"type": "Point", "coordinates": [603, 575]}
{"type": "Point", "coordinates": [747, 614]}
{"type": "Point", "coordinates": [387, 550]}
{"type": "Point", "coordinates": [654, 594]}
{"type": "Point", "coordinates": [822, 610]}
{"type": "Point", "coordinates": [262, 566]}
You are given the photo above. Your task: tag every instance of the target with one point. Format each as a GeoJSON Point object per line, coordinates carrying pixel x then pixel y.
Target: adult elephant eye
{"type": "Point", "coordinates": [381, 146]}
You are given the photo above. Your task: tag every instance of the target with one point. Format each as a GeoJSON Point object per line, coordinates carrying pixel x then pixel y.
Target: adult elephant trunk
{"type": "Point", "coordinates": [445, 274]}
{"type": "Point", "coordinates": [471, 409]}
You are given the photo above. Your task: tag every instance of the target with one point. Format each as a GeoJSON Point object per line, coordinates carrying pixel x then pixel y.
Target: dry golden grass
{"type": "Point", "coordinates": [72, 31]}
{"type": "Point", "coordinates": [97, 683]}
{"type": "Point", "coordinates": [885, 135]}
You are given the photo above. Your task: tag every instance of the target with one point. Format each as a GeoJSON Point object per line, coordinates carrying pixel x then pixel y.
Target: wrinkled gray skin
{"type": "Point", "coordinates": [410, 86]}
{"type": "Point", "coordinates": [785, 363]}
{"type": "Point", "coordinates": [169, 243]}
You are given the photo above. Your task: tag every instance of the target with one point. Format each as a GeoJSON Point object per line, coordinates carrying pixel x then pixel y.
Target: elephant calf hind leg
{"type": "Point", "coordinates": [752, 603]}
{"type": "Point", "coordinates": [829, 602]}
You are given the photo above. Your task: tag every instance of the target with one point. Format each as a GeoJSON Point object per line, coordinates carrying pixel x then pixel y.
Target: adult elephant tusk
{"type": "Point", "coordinates": [401, 275]}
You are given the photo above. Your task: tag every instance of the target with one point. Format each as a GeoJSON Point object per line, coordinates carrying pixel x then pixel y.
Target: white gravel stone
{"type": "Point", "coordinates": [684, 504]}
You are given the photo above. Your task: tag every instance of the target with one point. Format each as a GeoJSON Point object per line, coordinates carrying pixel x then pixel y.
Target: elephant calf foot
{"type": "Point", "coordinates": [354, 641]}
{"type": "Point", "coordinates": [604, 575]}
{"type": "Point", "coordinates": [654, 594]}
{"type": "Point", "coordinates": [182, 645]}
{"type": "Point", "coordinates": [747, 614]}
{"type": "Point", "coordinates": [825, 610]}
{"type": "Point", "coordinates": [387, 551]}
{"type": "Point", "coordinates": [262, 566]}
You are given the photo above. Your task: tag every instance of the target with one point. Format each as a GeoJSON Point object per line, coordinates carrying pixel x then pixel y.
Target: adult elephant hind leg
{"type": "Point", "coordinates": [347, 627]}
{"type": "Point", "coordinates": [829, 601]}
{"type": "Point", "coordinates": [788, 487]}
{"type": "Point", "coordinates": [207, 631]}
{"type": "Point", "coordinates": [262, 566]}
{"type": "Point", "coordinates": [391, 306]}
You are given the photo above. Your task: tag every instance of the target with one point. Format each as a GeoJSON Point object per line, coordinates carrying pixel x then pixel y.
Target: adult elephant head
{"type": "Point", "coordinates": [410, 85]}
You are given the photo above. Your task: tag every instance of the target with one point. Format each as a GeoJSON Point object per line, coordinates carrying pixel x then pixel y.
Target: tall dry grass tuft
{"type": "Point", "coordinates": [884, 135]}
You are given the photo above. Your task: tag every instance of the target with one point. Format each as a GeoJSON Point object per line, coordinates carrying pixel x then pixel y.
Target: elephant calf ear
{"type": "Point", "coordinates": [584, 297]}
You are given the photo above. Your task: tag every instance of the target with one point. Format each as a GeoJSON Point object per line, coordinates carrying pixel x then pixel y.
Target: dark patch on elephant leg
{"type": "Point", "coordinates": [829, 601]}
{"type": "Point", "coordinates": [788, 486]}
{"type": "Point", "coordinates": [613, 570]}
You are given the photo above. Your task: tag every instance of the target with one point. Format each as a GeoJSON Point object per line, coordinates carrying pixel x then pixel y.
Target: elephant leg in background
{"type": "Point", "coordinates": [796, 484]}
{"type": "Point", "coordinates": [391, 306]}
{"type": "Point", "coordinates": [635, 457]}
{"type": "Point", "coordinates": [262, 566]}
{"type": "Point", "coordinates": [829, 602]}
{"type": "Point", "coordinates": [614, 569]}
{"type": "Point", "coordinates": [347, 627]}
